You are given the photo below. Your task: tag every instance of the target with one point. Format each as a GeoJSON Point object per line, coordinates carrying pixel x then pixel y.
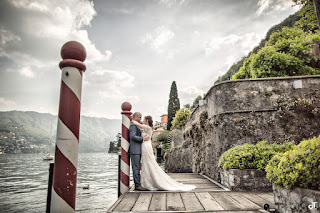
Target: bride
{"type": "Point", "coordinates": [152, 176]}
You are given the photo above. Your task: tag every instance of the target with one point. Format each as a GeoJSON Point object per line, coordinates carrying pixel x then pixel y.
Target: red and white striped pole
{"type": "Point", "coordinates": [63, 198]}
{"type": "Point", "coordinates": [125, 141]}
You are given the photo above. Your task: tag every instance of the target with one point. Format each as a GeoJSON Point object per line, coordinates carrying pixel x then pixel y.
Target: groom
{"type": "Point", "coordinates": [135, 150]}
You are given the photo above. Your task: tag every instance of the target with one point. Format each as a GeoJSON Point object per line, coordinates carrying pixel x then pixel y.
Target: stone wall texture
{"type": "Point", "coordinates": [248, 111]}
{"type": "Point", "coordinates": [245, 180]}
{"type": "Point", "coordinates": [183, 155]}
{"type": "Point", "coordinates": [296, 200]}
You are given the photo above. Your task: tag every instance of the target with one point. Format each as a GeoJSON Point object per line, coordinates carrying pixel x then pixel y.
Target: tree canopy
{"type": "Point", "coordinates": [181, 117]}
{"type": "Point", "coordinates": [304, 19]}
{"type": "Point", "coordinates": [290, 52]}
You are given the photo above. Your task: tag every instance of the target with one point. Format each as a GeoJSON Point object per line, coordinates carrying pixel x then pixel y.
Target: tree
{"type": "Point", "coordinates": [181, 117]}
{"type": "Point", "coordinates": [307, 18]}
{"type": "Point", "coordinates": [118, 136]}
{"type": "Point", "coordinates": [196, 102]}
{"type": "Point", "coordinates": [174, 104]}
{"type": "Point", "coordinates": [316, 4]}
{"type": "Point", "coordinates": [112, 147]}
{"type": "Point", "coordinates": [115, 146]}
{"type": "Point", "coordinates": [187, 106]}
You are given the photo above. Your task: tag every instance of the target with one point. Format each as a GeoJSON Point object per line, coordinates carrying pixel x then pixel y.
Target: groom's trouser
{"type": "Point", "coordinates": [135, 161]}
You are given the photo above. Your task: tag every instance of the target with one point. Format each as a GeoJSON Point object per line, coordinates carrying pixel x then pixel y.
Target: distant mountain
{"type": "Point", "coordinates": [29, 132]}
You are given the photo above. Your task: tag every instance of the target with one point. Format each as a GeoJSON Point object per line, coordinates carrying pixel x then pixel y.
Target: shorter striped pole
{"type": "Point", "coordinates": [63, 198]}
{"type": "Point", "coordinates": [125, 142]}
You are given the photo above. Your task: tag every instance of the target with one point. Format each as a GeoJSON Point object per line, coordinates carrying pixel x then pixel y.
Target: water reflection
{"type": "Point", "coordinates": [24, 182]}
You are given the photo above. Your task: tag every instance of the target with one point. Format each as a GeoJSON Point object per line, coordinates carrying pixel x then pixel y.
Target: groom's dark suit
{"type": "Point", "coordinates": [135, 152]}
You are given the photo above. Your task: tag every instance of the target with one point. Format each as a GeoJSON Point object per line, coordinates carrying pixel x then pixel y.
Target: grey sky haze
{"type": "Point", "coordinates": [135, 49]}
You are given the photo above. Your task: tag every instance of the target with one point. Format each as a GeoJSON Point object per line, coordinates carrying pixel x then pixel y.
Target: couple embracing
{"type": "Point", "coordinates": [152, 177]}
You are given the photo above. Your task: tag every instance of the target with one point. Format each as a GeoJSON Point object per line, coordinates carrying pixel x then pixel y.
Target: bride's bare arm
{"type": "Point", "coordinates": [138, 124]}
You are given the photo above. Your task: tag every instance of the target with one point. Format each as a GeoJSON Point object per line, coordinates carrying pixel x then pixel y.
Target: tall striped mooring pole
{"type": "Point", "coordinates": [63, 198]}
{"type": "Point", "coordinates": [125, 141]}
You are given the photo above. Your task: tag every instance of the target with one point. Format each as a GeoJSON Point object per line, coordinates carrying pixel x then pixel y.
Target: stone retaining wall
{"type": "Point", "coordinates": [296, 200]}
{"type": "Point", "coordinates": [184, 164]}
{"type": "Point", "coordinates": [248, 111]}
{"type": "Point", "coordinates": [245, 180]}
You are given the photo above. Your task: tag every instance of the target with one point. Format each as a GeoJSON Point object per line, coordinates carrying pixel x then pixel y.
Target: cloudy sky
{"type": "Point", "coordinates": [135, 49]}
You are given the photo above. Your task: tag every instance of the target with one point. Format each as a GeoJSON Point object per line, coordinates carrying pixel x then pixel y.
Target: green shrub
{"type": "Point", "coordinates": [249, 156]}
{"type": "Point", "coordinates": [297, 167]}
{"type": "Point", "coordinates": [290, 52]}
{"type": "Point", "coordinates": [282, 148]}
{"type": "Point", "coordinates": [273, 163]}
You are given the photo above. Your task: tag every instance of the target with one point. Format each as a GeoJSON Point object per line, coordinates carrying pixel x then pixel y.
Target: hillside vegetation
{"type": "Point", "coordinates": [304, 20]}
{"type": "Point", "coordinates": [30, 132]}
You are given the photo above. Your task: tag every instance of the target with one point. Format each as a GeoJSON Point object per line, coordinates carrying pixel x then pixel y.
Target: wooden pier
{"type": "Point", "coordinates": [209, 196]}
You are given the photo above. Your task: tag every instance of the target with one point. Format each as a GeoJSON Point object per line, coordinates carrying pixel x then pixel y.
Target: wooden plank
{"type": "Point", "coordinates": [207, 201]}
{"type": "Point", "coordinates": [174, 202]}
{"type": "Point", "coordinates": [191, 202]}
{"type": "Point", "coordinates": [189, 180]}
{"type": "Point", "coordinates": [234, 211]}
{"type": "Point", "coordinates": [127, 202]}
{"type": "Point", "coordinates": [177, 174]}
{"type": "Point", "coordinates": [225, 201]}
{"type": "Point", "coordinates": [193, 181]}
{"type": "Point", "coordinates": [158, 202]}
{"type": "Point", "coordinates": [243, 201]}
{"type": "Point", "coordinates": [268, 196]}
{"type": "Point", "coordinates": [143, 202]}
{"type": "Point", "coordinates": [258, 200]}
{"type": "Point", "coordinates": [185, 176]}
{"type": "Point", "coordinates": [208, 190]}
{"type": "Point", "coordinates": [116, 203]}
{"type": "Point", "coordinates": [200, 185]}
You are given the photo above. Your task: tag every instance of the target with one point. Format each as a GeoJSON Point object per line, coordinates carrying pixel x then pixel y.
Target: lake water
{"type": "Point", "coordinates": [24, 182]}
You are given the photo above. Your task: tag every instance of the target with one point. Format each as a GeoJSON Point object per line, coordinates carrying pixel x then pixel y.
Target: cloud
{"type": "Point", "coordinates": [158, 38]}
{"type": "Point", "coordinates": [111, 85]}
{"type": "Point", "coordinates": [48, 25]}
{"type": "Point", "coordinates": [282, 5]}
{"type": "Point", "coordinates": [123, 11]}
{"type": "Point", "coordinates": [7, 36]}
{"type": "Point", "coordinates": [269, 6]}
{"type": "Point", "coordinates": [170, 3]}
{"type": "Point", "coordinates": [30, 5]}
{"type": "Point", "coordinates": [26, 71]}
{"type": "Point", "coordinates": [112, 78]}
{"type": "Point", "coordinates": [188, 95]}
{"type": "Point", "coordinates": [243, 43]}
{"type": "Point", "coordinates": [116, 94]}
{"type": "Point", "coordinates": [6, 105]}
{"type": "Point", "coordinates": [263, 5]}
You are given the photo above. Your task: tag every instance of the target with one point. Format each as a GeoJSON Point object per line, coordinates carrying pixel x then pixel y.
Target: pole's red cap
{"type": "Point", "coordinates": [73, 50]}
{"type": "Point", "coordinates": [73, 54]}
{"type": "Point", "coordinates": [126, 106]}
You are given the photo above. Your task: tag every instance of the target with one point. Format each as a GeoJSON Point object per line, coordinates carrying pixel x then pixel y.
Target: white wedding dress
{"type": "Point", "coordinates": [152, 176]}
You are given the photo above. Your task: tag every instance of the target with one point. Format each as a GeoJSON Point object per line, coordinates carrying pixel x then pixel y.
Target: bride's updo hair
{"type": "Point", "coordinates": [149, 120]}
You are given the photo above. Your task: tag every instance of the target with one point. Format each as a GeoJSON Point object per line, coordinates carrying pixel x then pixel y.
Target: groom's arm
{"type": "Point", "coordinates": [133, 134]}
